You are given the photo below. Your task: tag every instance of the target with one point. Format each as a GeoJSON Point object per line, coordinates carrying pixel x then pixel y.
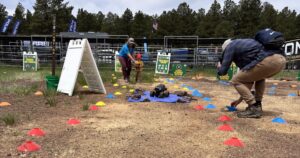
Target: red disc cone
{"type": "Point", "coordinates": [29, 146]}
{"type": "Point", "coordinates": [234, 142]}
{"type": "Point", "coordinates": [199, 107]}
{"type": "Point", "coordinates": [225, 127]}
{"type": "Point", "coordinates": [224, 118]}
{"type": "Point", "coordinates": [36, 132]}
{"type": "Point", "coordinates": [94, 108]}
{"type": "Point", "coordinates": [73, 121]}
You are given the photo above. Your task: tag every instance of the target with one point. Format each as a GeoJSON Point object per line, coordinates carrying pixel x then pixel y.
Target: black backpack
{"type": "Point", "coordinates": [270, 39]}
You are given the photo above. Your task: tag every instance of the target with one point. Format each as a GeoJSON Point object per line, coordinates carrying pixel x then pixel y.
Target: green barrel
{"type": "Point", "coordinates": [299, 76]}
{"type": "Point", "coordinates": [52, 82]}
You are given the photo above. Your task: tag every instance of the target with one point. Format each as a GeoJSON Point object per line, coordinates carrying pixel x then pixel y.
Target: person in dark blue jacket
{"type": "Point", "coordinates": [125, 58]}
{"type": "Point", "coordinates": [256, 64]}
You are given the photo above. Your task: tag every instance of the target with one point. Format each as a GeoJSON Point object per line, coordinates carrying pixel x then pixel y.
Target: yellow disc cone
{"type": "Point", "coordinates": [85, 87]}
{"type": "Point", "coordinates": [131, 90]}
{"type": "Point", "coordinates": [100, 103]}
{"type": "Point", "coordinates": [118, 93]}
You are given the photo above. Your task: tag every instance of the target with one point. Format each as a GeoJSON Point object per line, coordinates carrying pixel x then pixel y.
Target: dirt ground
{"type": "Point", "coordinates": [123, 129]}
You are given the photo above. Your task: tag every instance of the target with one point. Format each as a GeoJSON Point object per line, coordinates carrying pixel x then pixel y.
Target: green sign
{"type": "Point", "coordinates": [232, 71]}
{"type": "Point", "coordinates": [162, 63]}
{"type": "Point", "coordinates": [30, 61]}
{"type": "Point", "coordinates": [178, 69]}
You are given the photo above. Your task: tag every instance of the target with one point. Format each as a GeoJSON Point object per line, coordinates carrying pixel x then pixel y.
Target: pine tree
{"type": "Point", "coordinates": [125, 23]}
{"type": "Point", "coordinates": [110, 23]}
{"type": "Point", "coordinates": [286, 23]}
{"type": "Point", "coordinates": [248, 21]}
{"type": "Point", "coordinates": [45, 10]}
{"type": "Point", "coordinates": [18, 15]}
{"type": "Point", "coordinates": [213, 18]}
{"type": "Point", "coordinates": [142, 25]}
{"type": "Point", "coordinates": [186, 18]}
{"type": "Point", "coordinates": [3, 14]}
{"type": "Point", "coordinates": [268, 16]}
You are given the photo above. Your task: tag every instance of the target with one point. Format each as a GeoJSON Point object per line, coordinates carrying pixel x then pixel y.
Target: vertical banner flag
{"type": "Point", "coordinates": [16, 27]}
{"type": "Point", "coordinates": [72, 26]}
{"type": "Point", "coordinates": [6, 24]}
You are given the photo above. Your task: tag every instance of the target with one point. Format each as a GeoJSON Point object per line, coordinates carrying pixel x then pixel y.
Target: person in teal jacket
{"type": "Point", "coordinates": [125, 58]}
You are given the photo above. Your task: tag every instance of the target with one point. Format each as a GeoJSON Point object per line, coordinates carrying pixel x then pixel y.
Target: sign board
{"type": "Point", "coordinates": [118, 66]}
{"type": "Point", "coordinates": [79, 56]}
{"type": "Point", "coordinates": [30, 61]}
{"type": "Point", "coordinates": [162, 63]}
{"type": "Point", "coordinates": [178, 69]}
{"type": "Point", "coordinates": [232, 71]}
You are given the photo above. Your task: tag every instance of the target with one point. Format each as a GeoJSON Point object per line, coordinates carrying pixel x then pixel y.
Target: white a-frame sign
{"type": "Point", "coordinates": [79, 56]}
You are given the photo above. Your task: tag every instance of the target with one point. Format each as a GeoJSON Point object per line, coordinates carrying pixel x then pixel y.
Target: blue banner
{"type": "Point", "coordinates": [16, 27]}
{"type": "Point", "coordinates": [72, 26]}
{"type": "Point", "coordinates": [6, 24]}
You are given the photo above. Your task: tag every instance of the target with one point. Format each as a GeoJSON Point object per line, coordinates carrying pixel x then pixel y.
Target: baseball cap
{"type": "Point", "coordinates": [131, 41]}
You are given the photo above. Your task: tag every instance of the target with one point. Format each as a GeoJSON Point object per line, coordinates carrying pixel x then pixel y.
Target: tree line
{"type": "Point", "coordinates": [240, 19]}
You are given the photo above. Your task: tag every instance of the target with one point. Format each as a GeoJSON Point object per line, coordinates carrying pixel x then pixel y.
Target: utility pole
{"type": "Point", "coordinates": [53, 45]}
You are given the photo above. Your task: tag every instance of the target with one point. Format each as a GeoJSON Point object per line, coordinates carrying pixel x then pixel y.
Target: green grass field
{"type": "Point", "coordinates": [15, 80]}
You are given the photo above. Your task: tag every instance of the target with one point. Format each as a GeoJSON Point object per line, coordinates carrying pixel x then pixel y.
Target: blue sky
{"type": "Point", "coordinates": [150, 7]}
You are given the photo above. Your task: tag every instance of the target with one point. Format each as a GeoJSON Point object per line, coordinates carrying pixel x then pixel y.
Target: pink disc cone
{"type": "Point", "coordinates": [225, 127]}
{"type": "Point", "coordinates": [94, 108]}
{"type": "Point", "coordinates": [36, 132]}
{"type": "Point", "coordinates": [224, 118]}
{"type": "Point", "coordinates": [199, 107]}
{"type": "Point", "coordinates": [29, 146]}
{"type": "Point", "coordinates": [73, 121]}
{"type": "Point", "coordinates": [234, 142]}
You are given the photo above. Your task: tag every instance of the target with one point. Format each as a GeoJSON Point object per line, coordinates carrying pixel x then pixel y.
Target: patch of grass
{"type": "Point", "coordinates": [50, 96]}
{"type": "Point", "coordinates": [26, 90]}
{"type": "Point", "coordinates": [81, 96]}
{"type": "Point", "coordinates": [85, 107]}
{"type": "Point", "coordinates": [9, 119]}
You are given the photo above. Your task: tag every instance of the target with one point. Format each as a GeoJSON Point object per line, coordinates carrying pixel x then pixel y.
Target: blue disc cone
{"type": "Point", "coordinates": [279, 120]}
{"type": "Point", "coordinates": [196, 93]}
{"type": "Point", "coordinates": [292, 95]}
{"type": "Point", "coordinates": [110, 96]}
{"type": "Point", "coordinates": [207, 99]}
{"type": "Point", "coordinates": [210, 106]}
{"type": "Point", "coordinates": [231, 108]}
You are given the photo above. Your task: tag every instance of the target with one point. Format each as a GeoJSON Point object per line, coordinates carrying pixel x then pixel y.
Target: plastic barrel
{"type": "Point", "coordinates": [299, 76]}
{"type": "Point", "coordinates": [52, 82]}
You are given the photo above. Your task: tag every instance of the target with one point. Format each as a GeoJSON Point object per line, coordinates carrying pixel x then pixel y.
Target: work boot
{"type": "Point", "coordinates": [251, 111]}
{"type": "Point", "coordinates": [258, 105]}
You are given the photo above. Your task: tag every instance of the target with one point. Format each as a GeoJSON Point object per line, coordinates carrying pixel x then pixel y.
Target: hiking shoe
{"type": "Point", "coordinates": [258, 105]}
{"type": "Point", "coordinates": [250, 112]}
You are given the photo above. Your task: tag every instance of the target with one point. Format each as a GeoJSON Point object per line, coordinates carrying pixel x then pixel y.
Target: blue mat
{"type": "Point", "coordinates": [171, 99]}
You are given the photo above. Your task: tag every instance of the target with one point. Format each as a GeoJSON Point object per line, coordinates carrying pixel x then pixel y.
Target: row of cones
{"type": "Point", "coordinates": [233, 141]}
{"type": "Point", "coordinates": [30, 146]}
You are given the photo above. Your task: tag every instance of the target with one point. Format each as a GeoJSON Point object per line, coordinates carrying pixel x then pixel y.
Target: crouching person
{"type": "Point", "coordinates": [257, 61]}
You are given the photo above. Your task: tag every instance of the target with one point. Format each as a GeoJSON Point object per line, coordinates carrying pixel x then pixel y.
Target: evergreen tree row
{"type": "Point", "coordinates": [241, 19]}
